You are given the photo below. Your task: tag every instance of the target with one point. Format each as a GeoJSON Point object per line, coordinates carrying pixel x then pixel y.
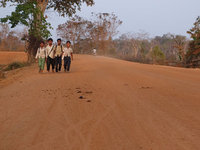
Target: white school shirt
{"type": "Point", "coordinates": [67, 52]}
{"type": "Point", "coordinates": [41, 53]}
{"type": "Point", "coordinates": [58, 50]}
{"type": "Point", "coordinates": [50, 51]}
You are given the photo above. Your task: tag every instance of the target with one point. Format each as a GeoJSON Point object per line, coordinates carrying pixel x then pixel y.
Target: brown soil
{"type": "Point", "coordinates": [9, 57]}
{"type": "Point", "coordinates": [102, 104]}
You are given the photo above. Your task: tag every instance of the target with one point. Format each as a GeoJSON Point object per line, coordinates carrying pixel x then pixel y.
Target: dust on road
{"type": "Point", "coordinates": [102, 104]}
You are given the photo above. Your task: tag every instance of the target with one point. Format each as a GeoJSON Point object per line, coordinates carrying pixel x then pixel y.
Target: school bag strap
{"type": "Point", "coordinates": [62, 49]}
{"type": "Point", "coordinates": [51, 51]}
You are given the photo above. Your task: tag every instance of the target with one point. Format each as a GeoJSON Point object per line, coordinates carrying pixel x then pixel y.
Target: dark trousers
{"type": "Point", "coordinates": [50, 63]}
{"type": "Point", "coordinates": [67, 63]}
{"type": "Point", "coordinates": [58, 63]}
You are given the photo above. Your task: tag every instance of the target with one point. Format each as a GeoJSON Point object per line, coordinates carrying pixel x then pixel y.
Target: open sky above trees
{"type": "Point", "coordinates": [153, 16]}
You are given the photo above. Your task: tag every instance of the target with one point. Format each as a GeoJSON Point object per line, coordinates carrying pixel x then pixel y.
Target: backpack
{"type": "Point", "coordinates": [61, 48]}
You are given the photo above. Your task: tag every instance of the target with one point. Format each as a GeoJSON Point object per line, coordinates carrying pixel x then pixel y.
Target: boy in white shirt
{"type": "Point", "coordinates": [41, 56]}
{"type": "Point", "coordinates": [94, 52]}
{"type": "Point", "coordinates": [67, 56]}
{"type": "Point", "coordinates": [50, 53]}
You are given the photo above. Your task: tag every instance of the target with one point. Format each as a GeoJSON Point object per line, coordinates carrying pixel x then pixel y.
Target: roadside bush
{"type": "Point", "coordinates": [16, 65]}
{"type": "Point", "coordinates": [157, 55]}
{"type": "Point", "coordinates": [2, 75]}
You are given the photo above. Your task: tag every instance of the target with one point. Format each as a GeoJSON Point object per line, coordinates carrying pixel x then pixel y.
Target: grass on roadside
{"type": "Point", "coordinates": [16, 65]}
{"type": "Point", "coordinates": [11, 66]}
{"type": "Point", "coordinates": [1, 72]}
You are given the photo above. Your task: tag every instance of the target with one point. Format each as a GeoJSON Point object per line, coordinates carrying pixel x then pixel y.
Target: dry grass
{"type": "Point", "coordinates": [10, 57]}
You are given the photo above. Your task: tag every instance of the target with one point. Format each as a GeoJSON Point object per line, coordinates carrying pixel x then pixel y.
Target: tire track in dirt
{"type": "Point", "coordinates": [125, 106]}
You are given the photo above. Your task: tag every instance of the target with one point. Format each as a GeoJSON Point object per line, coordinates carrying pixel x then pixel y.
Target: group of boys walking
{"type": "Point", "coordinates": [53, 55]}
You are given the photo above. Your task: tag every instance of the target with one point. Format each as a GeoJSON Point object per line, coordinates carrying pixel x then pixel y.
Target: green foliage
{"type": "Point", "coordinates": [63, 7]}
{"type": "Point", "coordinates": [16, 65]}
{"type": "Point", "coordinates": [30, 15]}
{"type": "Point", "coordinates": [143, 50]}
{"type": "Point", "coordinates": [157, 54]}
{"type": "Point", "coordinates": [194, 45]}
{"type": "Point", "coordinates": [112, 51]}
{"type": "Point", "coordinates": [21, 15]}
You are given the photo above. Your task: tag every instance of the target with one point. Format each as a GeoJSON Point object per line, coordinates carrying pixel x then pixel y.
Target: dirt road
{"type": "Point", "coordinates": [102, 104]}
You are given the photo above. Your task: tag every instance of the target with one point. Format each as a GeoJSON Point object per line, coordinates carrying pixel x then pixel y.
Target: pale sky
{"type": "Point", "coordinates": [156, 17]}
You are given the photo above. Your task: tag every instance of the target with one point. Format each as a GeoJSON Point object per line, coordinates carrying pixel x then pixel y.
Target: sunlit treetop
{"type": "Point", "coordinates": [63, 7]}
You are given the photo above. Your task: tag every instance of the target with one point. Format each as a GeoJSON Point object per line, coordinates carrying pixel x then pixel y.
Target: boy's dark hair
{"type": "Point", "coordinates": [42, 42]}
{"type": "Point", "coordinates": [59, 40]}
{"type": "Point", "coordinates": [68, 42]}
{"type": "Point", "coordinates": [50, 39]}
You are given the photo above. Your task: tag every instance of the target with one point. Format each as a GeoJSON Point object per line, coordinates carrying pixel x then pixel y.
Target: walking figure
{"type": "Point", "coordinates": [94, 51]}
{"type": "Point", "coordinates": [58, 55]}
{"type": "Point", "coordinates": [41, 56]}
{"type": "Point", "coordinates": [67, 56]}
{"type": "Point", "coordinates": [50, 55]}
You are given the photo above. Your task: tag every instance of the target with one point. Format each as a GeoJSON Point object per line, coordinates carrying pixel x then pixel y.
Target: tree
{"type": "Point", "coordinates": [4, 31]}
{"type": "Point", "coordinates": [194, 45]}
{"type": "Point", "coordinates": [10, 39]}
{"type": "Point", "coordinates": [105, 28]}
{"type": "Point", "coordinates": [166, 43]}
{"type": "Point", "coordinates": [63, 7]}
{"type": "Point", "coordinates": [123, 46]}
{"type": "Point", "coordinates": [135, 45]}
{"type": "Point", "coordinates": [180, 43]}
{"type": "Point", "coordinates": [157, 54]}
{"type": "Point", "coordinates": [97, 33]}
{"type": "Point", "coordinates": [75, 29]}
{"type": "Point", "coordinates": [31, 14]}
{"type": "Point", "coordinates": [4, 28]}
{"type": "Point", "coordinates": [173, 46]}
{"type": "Point", "coordinates": [27, 14]}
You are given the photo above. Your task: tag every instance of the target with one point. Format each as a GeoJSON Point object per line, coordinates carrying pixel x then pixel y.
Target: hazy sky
{"type": "Point", "coordinates": [156, 17]}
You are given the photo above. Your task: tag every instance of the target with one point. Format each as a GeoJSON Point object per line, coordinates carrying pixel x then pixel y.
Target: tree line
{"type": "Point", "coordinates": [167, 49]}
{"type": "Point", "coordinates": [10, 40]}
{"type": "Point", "coordinates": [100, 32]}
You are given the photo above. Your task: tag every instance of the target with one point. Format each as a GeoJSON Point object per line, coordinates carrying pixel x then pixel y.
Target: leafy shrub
{"type": "Point", "coordinates": [16, 65]}
{"type": "Point", "coordinates": [157, 54]}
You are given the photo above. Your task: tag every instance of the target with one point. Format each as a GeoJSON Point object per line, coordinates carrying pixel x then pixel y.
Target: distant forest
{"type": "Point", "coordinates": [11, 40]}
{"type": "Point", "coordinates": [101, 33]}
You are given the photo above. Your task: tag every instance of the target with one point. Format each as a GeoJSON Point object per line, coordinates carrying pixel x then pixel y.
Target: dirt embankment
{"type": "Point", "coordinates": [9, 57]}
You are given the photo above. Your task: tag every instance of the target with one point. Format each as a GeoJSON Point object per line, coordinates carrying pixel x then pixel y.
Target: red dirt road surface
{"type": "Point", "coordinates": [102, 104]}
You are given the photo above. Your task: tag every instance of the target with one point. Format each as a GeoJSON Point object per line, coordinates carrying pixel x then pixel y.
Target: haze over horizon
{"type": "Point", "coordinates": [153, 16]}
